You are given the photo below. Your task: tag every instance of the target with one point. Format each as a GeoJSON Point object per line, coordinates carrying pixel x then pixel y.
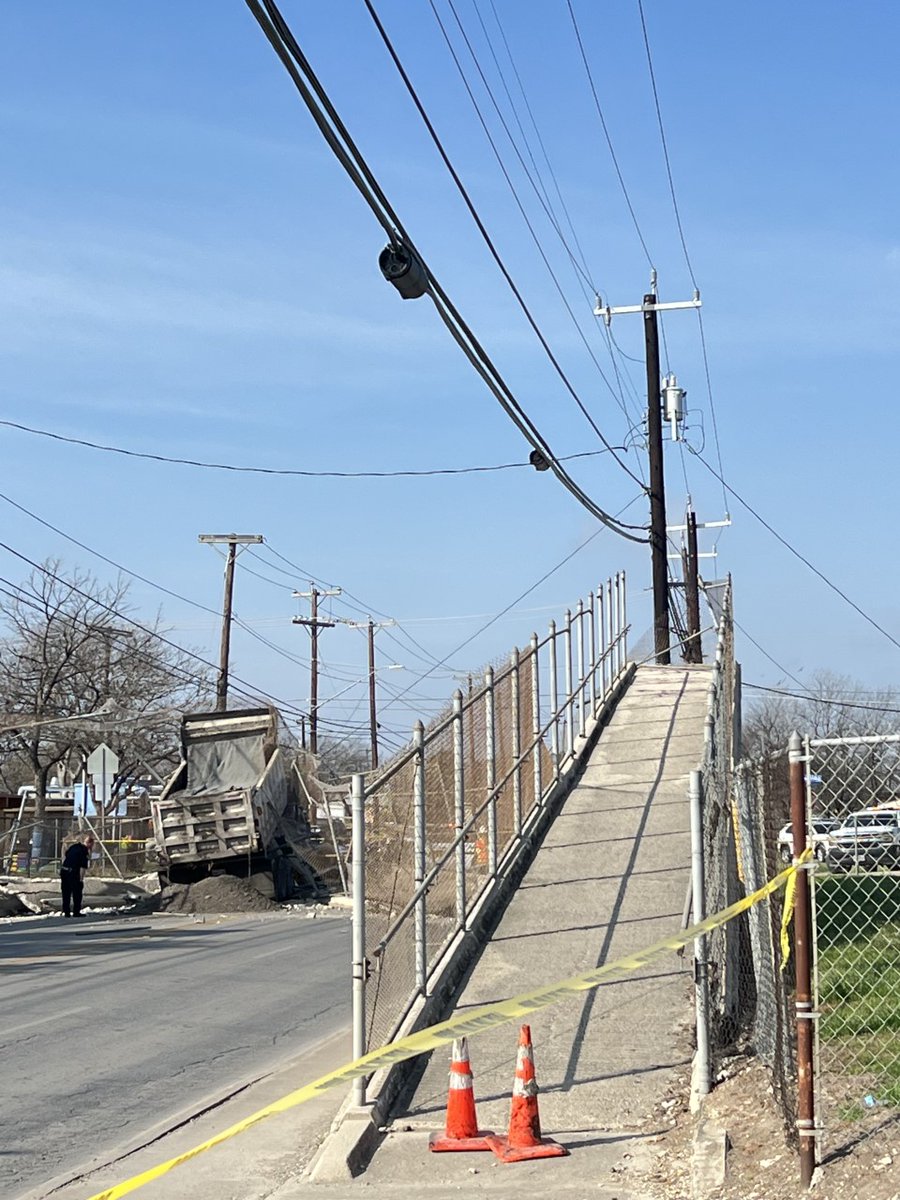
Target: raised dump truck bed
{"type": "Point", "coordinates": [231, 805]}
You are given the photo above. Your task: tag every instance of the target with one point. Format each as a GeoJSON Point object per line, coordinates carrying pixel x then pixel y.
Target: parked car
{"type": "Point", "coordinates": [820, 838]}
{"type": "Point", "coordinates": [866, 840]}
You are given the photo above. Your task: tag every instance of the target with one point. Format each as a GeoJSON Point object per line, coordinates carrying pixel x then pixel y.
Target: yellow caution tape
{"type": "Point", "coordinates": [788, 911]}
{"type": "Point", "coordinates": [467, 1024]}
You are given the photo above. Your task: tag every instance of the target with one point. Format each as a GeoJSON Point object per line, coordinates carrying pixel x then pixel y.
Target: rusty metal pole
{"type": "Point", "coordinates": [806, 1119]}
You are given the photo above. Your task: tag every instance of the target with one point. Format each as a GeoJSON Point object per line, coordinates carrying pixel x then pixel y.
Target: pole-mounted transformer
{"type": "Point", "coordinates": [403, 268]}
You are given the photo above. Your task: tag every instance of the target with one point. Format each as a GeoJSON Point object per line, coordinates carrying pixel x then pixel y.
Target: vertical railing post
{"type": "Point", "coordinates": [554, 701]}
{"type": "Point", "coordinates": [611, 632]}
{"type": "Point", "coordinates": [579, 650]}
{"type": "Point", "coordinates": [570, 699]}
{"type": "Point", "coordinates": [592, 654]}
{"type": "Point", "coordinates": [419, 856]}
{"type": "Point", "coordinates": [358, 934]}
{"type": "Point", "coordinates": [618, 617]}
{"type": "Point", "coordinates": [601, 626]}
{"type": "Point", "coordinates": [516, 741]}
{"type": "Point", "coordinates": [536, 717]}
{"type": "Point", "coordinates": [624, 622]}
{"type": "Point", "coordinates": [490, 769]}
{"type": "Point", "coordinates": [806, 1111]}
{"type": "Point", "coordinates": [459, 806]}
{"type": "Point", "coordinates": [701, 962]}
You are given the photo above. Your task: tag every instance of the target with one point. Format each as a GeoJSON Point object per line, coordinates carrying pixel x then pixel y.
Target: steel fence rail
{"type": "Point", "coordinates": [444, 819]}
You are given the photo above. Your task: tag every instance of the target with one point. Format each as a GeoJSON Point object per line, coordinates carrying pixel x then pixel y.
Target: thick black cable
{"type": "Point", "coordinates": [461, 188]}
{"type": "Point", "coordinates": [285, 46]}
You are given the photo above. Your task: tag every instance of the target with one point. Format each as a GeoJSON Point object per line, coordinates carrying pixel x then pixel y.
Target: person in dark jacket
{"type": "Point", "coordinates": [71, 873]}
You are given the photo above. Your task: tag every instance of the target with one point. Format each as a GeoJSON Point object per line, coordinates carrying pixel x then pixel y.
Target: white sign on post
{"type": "Point", "coordinates": [102, 765]}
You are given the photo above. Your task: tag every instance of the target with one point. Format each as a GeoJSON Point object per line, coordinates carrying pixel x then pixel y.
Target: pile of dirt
{"type": "Point", "coordinates": [217, 894]}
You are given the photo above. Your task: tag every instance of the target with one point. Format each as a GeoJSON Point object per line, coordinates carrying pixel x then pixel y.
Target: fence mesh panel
{"type": "Point", "coordinates": [499, 794]}
{"type": "Point", "coordinates": [856, 909]}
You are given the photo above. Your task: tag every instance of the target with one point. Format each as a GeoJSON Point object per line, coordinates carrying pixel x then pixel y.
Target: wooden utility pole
{"type": "Point", "coordinates": [314, 624]}
{"type": "Point", "coordinates": [232, 540]}
{"type": "Point", "coordinates": [658, 548]}
{"type": "Point", "coordinates": [693, 647]}
{"type": "Point", "coordinates": [373, 720]}
{"type": "Point", "coordinates": [649, 307]}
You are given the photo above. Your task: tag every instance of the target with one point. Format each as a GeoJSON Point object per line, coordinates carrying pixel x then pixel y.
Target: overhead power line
{"type": "Point", "coordinates": [831, 701]}
{"type": "Point", "coordinates": [801, 557]}
{"type": "Point", "coordinates": [251, 470]}
{"type": "Point", "coordinates": [345, 150]}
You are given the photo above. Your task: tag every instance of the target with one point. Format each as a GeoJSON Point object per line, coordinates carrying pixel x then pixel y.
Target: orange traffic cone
{"type": "Point", "coordinates": [524, 1140]}
{"type": "Point", "coordinates": [461, 1131]}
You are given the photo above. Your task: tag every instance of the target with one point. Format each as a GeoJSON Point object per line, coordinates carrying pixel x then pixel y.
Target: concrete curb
{"type": "Point", "coordinates": [708, 1159]}
{"type": "Point", "coordinates": [356, 1131]}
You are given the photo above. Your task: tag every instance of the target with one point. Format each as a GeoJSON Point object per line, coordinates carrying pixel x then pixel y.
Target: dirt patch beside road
{"type": "Point", "coordinates": [217, 894]}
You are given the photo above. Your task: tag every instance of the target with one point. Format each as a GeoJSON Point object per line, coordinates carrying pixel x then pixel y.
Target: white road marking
{"type": "Point", "coordinates": [70, 1012]}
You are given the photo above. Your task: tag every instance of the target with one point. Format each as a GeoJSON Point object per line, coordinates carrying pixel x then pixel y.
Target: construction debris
{"type": "Point", "coordinates": [216, 894]}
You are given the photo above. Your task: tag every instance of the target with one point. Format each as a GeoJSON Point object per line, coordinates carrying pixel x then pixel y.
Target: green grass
{"type": "Point", "coordinates": [859, 979]}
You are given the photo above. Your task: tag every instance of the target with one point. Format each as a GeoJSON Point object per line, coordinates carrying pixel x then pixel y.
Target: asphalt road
{"type": "Point", "coordinates": [111, 1027]}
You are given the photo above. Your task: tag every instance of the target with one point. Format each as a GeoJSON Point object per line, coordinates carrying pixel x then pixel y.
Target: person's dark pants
{"type": "Point", "coordinates": [72, 891]}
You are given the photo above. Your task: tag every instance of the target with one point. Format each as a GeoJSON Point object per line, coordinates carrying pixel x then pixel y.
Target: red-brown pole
{"type": "Point", "coordinates": [806, 1121]}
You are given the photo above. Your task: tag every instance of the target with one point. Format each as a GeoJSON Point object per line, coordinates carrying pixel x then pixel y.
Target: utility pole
{"type": "Point", "coordinates": [660, 565]}
{"type": "Point", "coordinates": [649, 307]}
{"type": "Point", "coordinates": [370, 627]}
{"type": "Point", "coordinates": [693, 648]}
{"type": "Point", "coordinates": [314, 624]}
{"type": "Point", "coordinates": [232, 540]}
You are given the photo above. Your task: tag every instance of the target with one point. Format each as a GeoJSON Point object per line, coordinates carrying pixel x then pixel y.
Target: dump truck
{"type": "Point", "coordinates": [232, 807]}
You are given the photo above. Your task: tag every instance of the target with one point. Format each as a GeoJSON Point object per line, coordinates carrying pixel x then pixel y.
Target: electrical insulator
{"type": "Point", "coordinates": [401, 267]}
{"type": "Point", "coordinates": [538, 461]}
{"type": "Point", "coordinates": [674, 408]}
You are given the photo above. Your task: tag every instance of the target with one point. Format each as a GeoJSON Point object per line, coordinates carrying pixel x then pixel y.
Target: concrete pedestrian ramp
{"type": "Point", "coordinates": [610, 877]}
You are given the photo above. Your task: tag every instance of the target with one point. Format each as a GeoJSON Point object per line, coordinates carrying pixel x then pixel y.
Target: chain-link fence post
{"type": "Point", "coordinates": [579, 632]}
{"type": "Point", "coordinates": [554, 700]}
{"type": "Point", "coordinates": [419, 856]}
{"type": "Point", "coordinates": [611, 633]}
{"type": "Point", "coordinates": [536, 718]}
{"type": "Point", "coordinates": [806, 1123]}
{"type": "Point", "coordinates": [701, 962]}
{"type": "Point", "coordinates": [516, 741]}
{"type": "Point", "coordinates": [459, 806]}
{"type": "Point", "coordinates": [601, 629]}
{"type": "Point", "coordinates": [592, 654]}
{"type": "Point", "coordinates": [490, 769]}
{"type": "Point", "coordinates": [360, 966]}
{"type": "Point", "coordinates": [570, 699]}
{"type": "Point", "coordinates": [623, 620]}
{"type": "Point", "coordinates": [620, 661]}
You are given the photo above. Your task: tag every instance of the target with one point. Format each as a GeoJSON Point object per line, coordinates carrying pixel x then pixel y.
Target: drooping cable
{"type": "Point", "coordinates": [285, 46]}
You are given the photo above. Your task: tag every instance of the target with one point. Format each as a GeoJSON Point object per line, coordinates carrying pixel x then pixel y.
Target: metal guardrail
{"type": "Point", "coordinates": [435, 829]}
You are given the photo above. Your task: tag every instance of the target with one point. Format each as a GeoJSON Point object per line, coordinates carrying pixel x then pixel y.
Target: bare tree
{"type": "Point", "coordinates": [74, 670]}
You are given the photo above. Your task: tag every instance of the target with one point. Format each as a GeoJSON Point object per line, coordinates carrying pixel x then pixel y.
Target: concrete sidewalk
{"type": "Point", "coordinates": [610, 877]}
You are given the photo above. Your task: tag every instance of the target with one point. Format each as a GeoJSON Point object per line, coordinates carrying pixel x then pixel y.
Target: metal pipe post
{"type": "Point", "coordinates": [579, 649]}
{"type": "Point", "coordinates": [604, 645]}
{"type": "Point", "coordinates": [419, 855]}
{"type": "Point", "coordinates": [624, 619]}
{"type": "Point", "coordinates": [360, 965]}
{"type": "Point", "coordinates": [554, 701]}
{"type": "Point", "coordinates": [459, 806]}
{"type": "Point", "coordinates": [611, 633]}
{"type": "Point", "coordinates": [490, 769]}
{"type": "Point", "coordinates": [806, 1113]}
{"type": "Point", "coordinates": [570, 700]}
{"type": "Point", "coordinates": [620, 660]}
{"type": "Point", "coordinates": [701, 962]}
{"type": "Point", "coordinates": [536, 717]}
{"type": "Point", "coordinates": [592, 654]}
{"type": "Point", "coordinates": [516, 741]}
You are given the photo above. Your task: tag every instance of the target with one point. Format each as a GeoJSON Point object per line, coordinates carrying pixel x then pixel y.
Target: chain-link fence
{"type": "Point", "coordinates": [442, 817]}
{"type": "Point", "coordinates": [123, 849]}
{"type": "Point", "coordinates": [749, 1007]}
{"type": "Point", "coordinates": [853, 786]}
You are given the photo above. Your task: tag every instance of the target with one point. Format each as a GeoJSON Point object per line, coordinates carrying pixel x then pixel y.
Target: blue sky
{"type": "Point", "coordinates": [186, 270]}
